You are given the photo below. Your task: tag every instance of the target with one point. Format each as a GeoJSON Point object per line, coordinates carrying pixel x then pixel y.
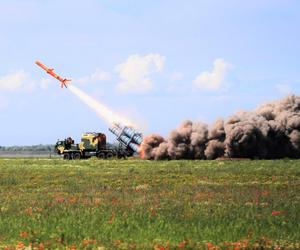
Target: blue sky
{"type": "Point", "coordinates": [157, 62]}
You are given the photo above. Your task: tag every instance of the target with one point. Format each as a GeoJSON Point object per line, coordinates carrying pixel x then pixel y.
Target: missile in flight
{"type": "Point", "coordinates": [51, 72]}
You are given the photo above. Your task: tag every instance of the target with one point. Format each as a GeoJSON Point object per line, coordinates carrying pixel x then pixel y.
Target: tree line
{"type": "Point", "coordinates": [33, 148]}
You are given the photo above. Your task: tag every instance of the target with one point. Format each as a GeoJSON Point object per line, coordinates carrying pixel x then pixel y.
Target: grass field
{"type": "Point", "coordinates": [131, 204]}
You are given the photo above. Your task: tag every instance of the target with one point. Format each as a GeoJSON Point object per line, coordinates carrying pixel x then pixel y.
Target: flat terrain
{"type": "Point", "coordinates": [26, 154]}
{"type": "Point", "coordinates": [132, 204]}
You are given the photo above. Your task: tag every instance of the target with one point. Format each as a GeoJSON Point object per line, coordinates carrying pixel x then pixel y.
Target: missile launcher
{"type": "Point", "coordinates": [128, 137]}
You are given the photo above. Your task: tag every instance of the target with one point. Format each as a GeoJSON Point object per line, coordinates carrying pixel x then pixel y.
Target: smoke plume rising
{"type": "Point", "coordinates": [107, 114]}
{"type": "Point", "coordinates": [271, 131]}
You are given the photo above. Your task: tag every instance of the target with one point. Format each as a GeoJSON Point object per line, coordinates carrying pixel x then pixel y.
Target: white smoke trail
{"type": "Point", "coordinates": [107, 114]}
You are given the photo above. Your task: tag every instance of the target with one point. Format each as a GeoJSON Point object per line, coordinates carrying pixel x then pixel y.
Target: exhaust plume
{"type": "Point", "coordinates": [104, 112]}
{"type": "Point", "coordinates": [271, 131]}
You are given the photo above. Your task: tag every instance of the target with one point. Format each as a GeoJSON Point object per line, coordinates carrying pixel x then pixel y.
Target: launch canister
{"type": "Point", "coordinates": [51, 72]}
{"type": "Point", "coordinates": [127, 136]}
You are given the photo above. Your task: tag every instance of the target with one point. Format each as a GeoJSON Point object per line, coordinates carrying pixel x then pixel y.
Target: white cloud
{"type": "Point", "coordinates": [284, 89]}
{"type": "Point", "coordinates": [213, 80]}
{"type": "Point", "coordinates": [14, 81]}
{"type": "Point", "coordinates": [22, 81]}
{"type": "Point", "coordinates": [98, 75]}
{"type": "Point", "coordinates": [135, 72]}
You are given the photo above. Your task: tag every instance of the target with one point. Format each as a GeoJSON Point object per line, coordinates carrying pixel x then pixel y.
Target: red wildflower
{"type": "Point", "coordinates": [41, 246]}
{"type": "Point", "coordinates": [24, 234]}
{"type": "Point", "coordinates": [211, 246]}
{"type": "Point", "coordinates": [181, 244]}
{"type": "Point", "coordinates": [265, 193]}
{"type": "Point", "coordinates": [29, 211]}
{"type": "Point", "coordinates": [117, 242]}
{"type": "Point", "coordinates": [97, 201]}
{"type": "Point", "coordinates": [20, 245]}
{"type": "Point", "coordinates": [72, 200]}
{"type": "Point", "coordinates": [159, 247]}
{"type": "Point", "coordinates": [85, 242]}
{"type": "Point", "coordinates": [59, 199]}
{"type": "Point", "coordinates": [167, 245]}
{"type": "Point", "coordinates": [279, 212]}
{"type": "Point", "coordinates": [114, 201]}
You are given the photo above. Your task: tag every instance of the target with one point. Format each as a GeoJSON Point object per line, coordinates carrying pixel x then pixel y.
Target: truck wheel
{"type": "Point", "coordinates": [121, 156]}
{"type": "Point", "coordinates": [101, 156]}
{"type": "Point", "coordinates": [67, 156]}
{"type": "Point", "coordinates": [109, 155]}
{"type": "Point", "coordinates": [76, 156]}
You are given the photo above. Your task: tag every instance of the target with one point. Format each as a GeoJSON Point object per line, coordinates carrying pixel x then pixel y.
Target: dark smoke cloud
{"type": "Point", "coordinates": [270, 131]}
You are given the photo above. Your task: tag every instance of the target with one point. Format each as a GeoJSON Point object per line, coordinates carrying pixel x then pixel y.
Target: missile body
{"type": "Point", "coordinates": [51, 72]}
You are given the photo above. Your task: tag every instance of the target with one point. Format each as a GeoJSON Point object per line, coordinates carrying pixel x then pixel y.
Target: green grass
{"type": "Point", "coordinates": [131, 204]}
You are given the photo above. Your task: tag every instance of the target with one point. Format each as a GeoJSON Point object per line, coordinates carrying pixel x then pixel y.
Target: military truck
{"type": "Point", "coordinates": [92, 144]}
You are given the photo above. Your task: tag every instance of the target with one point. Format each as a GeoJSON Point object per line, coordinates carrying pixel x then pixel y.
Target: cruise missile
{"type": "Point", "coordinates": [51, 72]}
